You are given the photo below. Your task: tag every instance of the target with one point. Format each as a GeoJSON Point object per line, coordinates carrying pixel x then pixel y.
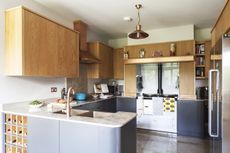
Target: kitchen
{"type": "Point", "coordinates": [138, 75]}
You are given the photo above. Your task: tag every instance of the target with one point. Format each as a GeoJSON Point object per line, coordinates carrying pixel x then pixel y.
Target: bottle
{"type": "Point", "coordinates": [172, 49]}
{"type": "Point", "coordinates": [126, 54]}
{"type": "Point", "coordinates": [142, 53]}
{"type": "Point", "coordinates": [63, 94]}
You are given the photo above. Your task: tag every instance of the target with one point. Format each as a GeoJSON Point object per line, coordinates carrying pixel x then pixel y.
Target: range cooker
{"type": "Point", "coordinates": [157, 112]}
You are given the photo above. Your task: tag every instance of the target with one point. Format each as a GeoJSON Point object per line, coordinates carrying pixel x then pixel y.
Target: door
{"type": "Point", "coordinates": [219, 100]}
{"type": "Point", "coordinates": [43, 135]}
{"type": "Point", "coordinates": [226, 93]}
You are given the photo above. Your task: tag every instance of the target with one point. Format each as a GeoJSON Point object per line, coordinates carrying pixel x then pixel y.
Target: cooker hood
{"type": "Point", "coordinates": [85, 56]}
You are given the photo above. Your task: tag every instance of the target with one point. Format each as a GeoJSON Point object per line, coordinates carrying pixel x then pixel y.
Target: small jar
{"type": "Point", "coordinates": [126, 55]}
{"type": "Point", "coordinates": [172, 49]}
{"type": "Point", "coordinates": [142, 53]}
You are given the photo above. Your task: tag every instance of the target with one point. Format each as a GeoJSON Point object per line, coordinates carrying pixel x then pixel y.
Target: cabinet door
{"type": "Point", "coordinates": [49, 49]}
{"type": "Point", "coordinates": [68, 53]}
{"type": "Point", "coordinates": [187, 79]}
{"type": "Point", "coordinates": [109, 105]}
{"type": "Point", "coordinates": [43, 135]}
{"type": "Point", "coordinates": [148, 107]}
{"type": "Point", "coordinates": [88, 138]}
{"type": "Point", "coordinates": [130, 80]}
{"type": "Point", "coordinates": [190, 122]}
{"type": "Point", "coordinates": [126, 104]}
{"type": "Point", "coordinates": [105, 54]}
{"type": "Point", "coordinates": [118, 64]}
{"type": "Point", "coordinates": [106, 66]}
{"type": "Point", "coordinates": [90, 106]}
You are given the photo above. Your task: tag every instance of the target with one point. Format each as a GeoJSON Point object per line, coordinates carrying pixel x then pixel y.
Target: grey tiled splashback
{"type": "Point", "coordinates": [81, 83]}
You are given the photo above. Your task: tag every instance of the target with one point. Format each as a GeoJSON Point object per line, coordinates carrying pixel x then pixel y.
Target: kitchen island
{"type": "Point", "coordinates": [86, 131]}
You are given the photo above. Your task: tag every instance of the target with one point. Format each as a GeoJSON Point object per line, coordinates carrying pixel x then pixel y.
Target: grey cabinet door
{"type": "Point", "coordinates": [107, 105]}
{"type": "Point", "coordinates": [43, 135]}
{"type": "Point", "coordinates": [87, 138]}
{"type": "Point", "coordinates": [191, 118]}
{"type": "Point", "coordinates": [126, 104]}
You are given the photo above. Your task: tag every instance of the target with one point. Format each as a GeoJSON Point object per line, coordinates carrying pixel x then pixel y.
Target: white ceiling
{"type": "Point", "coordinates": [106, 16]}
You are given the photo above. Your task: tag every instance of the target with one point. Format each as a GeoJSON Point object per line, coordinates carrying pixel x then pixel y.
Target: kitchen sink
{"type": "Point", "coordinates": [86, 113]}
{"type": "Point", "coordinates": [74, 112]}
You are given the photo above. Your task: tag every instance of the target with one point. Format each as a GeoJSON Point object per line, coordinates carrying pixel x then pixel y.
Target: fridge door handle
{"type": "Point", "coordinates": [210, 102]}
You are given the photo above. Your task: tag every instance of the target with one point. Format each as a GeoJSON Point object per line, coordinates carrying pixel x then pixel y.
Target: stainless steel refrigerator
{"type": "Point", "coordinates": [219, 99]}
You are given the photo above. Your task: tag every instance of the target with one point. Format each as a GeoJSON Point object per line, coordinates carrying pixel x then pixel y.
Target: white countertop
{"type": "Point", "coordinates": [112, 120]}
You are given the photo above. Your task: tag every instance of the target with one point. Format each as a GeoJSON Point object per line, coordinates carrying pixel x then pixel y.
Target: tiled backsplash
{"type": "Point", "coordinates": [82, 84]}
{"type": "Point", "coordinates": [91, 82]}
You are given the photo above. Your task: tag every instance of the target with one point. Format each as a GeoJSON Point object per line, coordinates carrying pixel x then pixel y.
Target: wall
{"type": "Point", "coordinates": [118, 43]}
{"type": "Point", "coordinates": [203, 34]}
{"type": "Point", "coordinates": [166, 34]}
{"type": "Point", "coordinates": [15, 89]}
{"type": "Point", "coordinates": [92, 36]}
{"type": "Point", "coordinates": [80, 83]}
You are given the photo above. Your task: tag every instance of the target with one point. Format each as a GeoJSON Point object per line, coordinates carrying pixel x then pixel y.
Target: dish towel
{"type": "Point", "coordinates": [169, 104]}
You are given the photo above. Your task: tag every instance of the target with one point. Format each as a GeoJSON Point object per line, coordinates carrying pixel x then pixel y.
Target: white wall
{"type": "Point", "coordinates": [166, 34]}
{"type": "Point", "coordinates": [118, 43]}
{"type": "Point", "coordinates": [203, 34]}
{"type": "Point", "coordinates": [92, 36]}
{"type": "Point", "coordinates": [14, 89]}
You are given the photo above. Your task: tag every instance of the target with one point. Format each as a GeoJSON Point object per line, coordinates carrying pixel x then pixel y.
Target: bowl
{"type": "Point", "coordinates": [81, 96]}
{"type": "Point", "coordinates": [95, 96]}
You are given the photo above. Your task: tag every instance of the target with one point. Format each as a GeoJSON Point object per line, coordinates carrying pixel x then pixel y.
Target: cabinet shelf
{"type": "Point", "coordinates": [200, 65]}
{"type": "Point", "coordinates": [216, 57]}
{"type": "Point", "coordinates": [200, 55]}
{"type": "Point", "coordinates": [201, 78]}
{"type": "Point", "coordinates": [160, 60]}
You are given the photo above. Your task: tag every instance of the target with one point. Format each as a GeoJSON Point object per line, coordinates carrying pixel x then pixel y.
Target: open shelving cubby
{"type": "Point", "coordinates": [15, 133]}
{"type": "Point", "coordinates": [202, 59]}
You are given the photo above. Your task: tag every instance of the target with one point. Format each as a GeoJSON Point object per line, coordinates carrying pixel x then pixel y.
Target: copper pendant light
{"type": "Point", "coordinates": [138, 33]}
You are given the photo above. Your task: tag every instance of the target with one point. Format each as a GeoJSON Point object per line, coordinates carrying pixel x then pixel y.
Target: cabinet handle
{"type": "Point", "coordinates": [210, 102]}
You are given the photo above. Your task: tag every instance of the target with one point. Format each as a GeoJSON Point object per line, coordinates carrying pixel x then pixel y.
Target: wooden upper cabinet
{"type": "Point", "coordinates": [118, 63]}
{"type": "Point", "coordinates": [104, 69]}
{"type": "Point", "coordinates": [37, 46]}
{"type": "Point", "coordinates": [130, 80]}
{"type": "Point", "coordinates": [222, 25]}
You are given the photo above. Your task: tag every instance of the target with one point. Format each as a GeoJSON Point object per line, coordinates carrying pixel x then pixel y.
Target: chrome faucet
{"type": "Point", "coordinates": [68, 109]}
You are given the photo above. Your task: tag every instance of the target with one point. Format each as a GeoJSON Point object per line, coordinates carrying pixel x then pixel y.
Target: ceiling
{"type": "Point", "coordinates": [106, 16]}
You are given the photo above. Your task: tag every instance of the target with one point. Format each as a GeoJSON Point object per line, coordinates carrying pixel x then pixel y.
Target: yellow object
{"type": "Point", "coordinates": [169, 104]}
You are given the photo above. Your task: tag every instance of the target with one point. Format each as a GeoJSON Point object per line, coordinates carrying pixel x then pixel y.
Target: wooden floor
{"type": "Point", "coordinates": [154, 142]}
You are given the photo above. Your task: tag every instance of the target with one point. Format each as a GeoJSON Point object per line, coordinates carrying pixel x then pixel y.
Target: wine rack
{"type": "Point", "coordinates": [15, 133]}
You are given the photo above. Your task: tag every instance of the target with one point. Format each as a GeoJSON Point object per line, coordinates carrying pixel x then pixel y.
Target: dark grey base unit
{"type": "Point", "coordinates": [125, 104]}
{"type": "Point", "coordinates": [191, 118]}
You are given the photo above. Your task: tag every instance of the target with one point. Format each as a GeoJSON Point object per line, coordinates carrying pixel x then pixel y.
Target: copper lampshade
{"type": "Point", "coordinates": [138, 33]}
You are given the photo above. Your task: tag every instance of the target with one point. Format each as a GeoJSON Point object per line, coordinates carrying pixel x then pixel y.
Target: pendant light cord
{"type": "Point", "coordinates": [139, 18]}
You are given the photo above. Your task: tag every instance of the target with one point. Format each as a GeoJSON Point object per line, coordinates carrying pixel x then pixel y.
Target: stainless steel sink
{"type": "Point", "coordinates": [74, 112]}
{"type": "Point", "coordinates": [86, 113]}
